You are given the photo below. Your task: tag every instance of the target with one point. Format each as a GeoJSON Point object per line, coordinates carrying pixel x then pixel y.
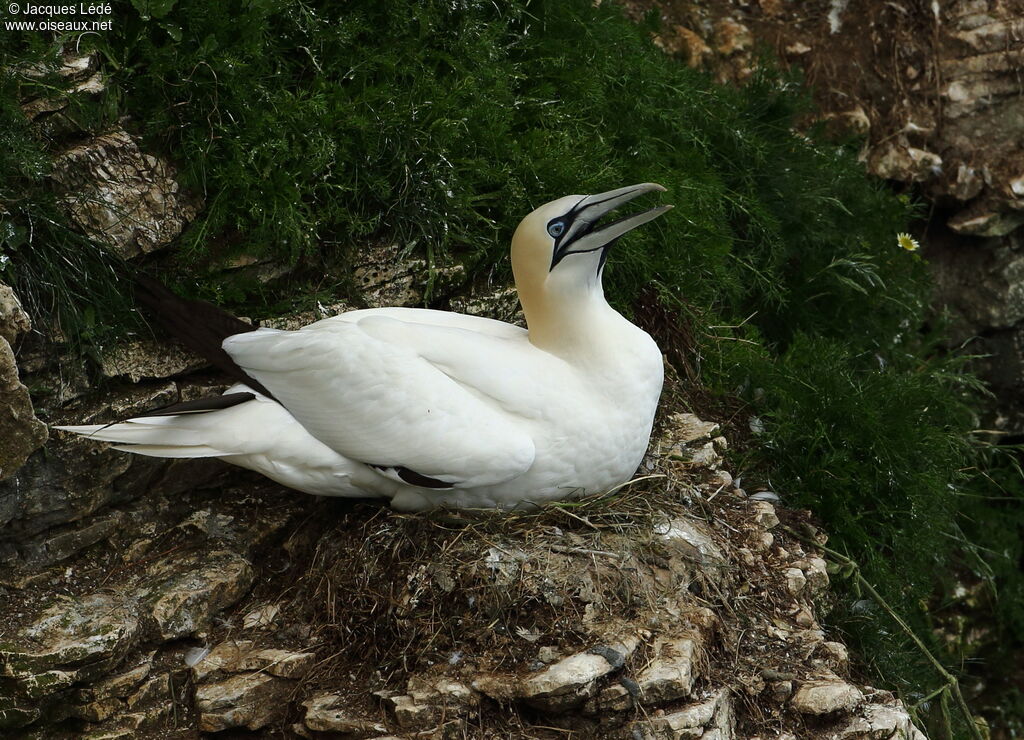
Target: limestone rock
{"type": "Point", "coordinates": [501, 304]}
{"type": "Point", "coordinates": [567, 677]}
{"type": "Point", "coordinates": [61, 543]}
{"type": "Point", "coordinates": [681, 41]}
{"type": "Point", "coordinates": [890, 720]}
{"type": "Point", "coordinates": [241, 655]}
{"type": "Point", "coordinates": [703, 456]}
{"type": "Point", "coordinates": [687, 428]}
{"type": "Point", "coordinates": [261, 618]}
{"type": "Point", "coordinates": [388, 278]}
{"type": "Point", "coordinates": [443, 692]}
{"type": "Point", "coordinates": [119, 196]}
{"type": "Point", "coordinates": [99, 700]}
{"type": "Point", "coordinates": [834, 653]}
{"type": "Point", "coordinates": [826, 696]}
{"type": "Point", "coordinates": [619, 697]}
{"type": "Point", "coordinates": [695, 541]}
{"type": "Point", "coordinates": [690, 722]}
{"type": "Point", "coordinates": [51, 113]}
{"type": "Point", "coordinates": [796, 581]}
{"type": "Point", "coordinates": [571, 680]}
{"type": "Point", "coordinates": [764, 514]}
{"type": "Point", "coordinates": [74, 639]}
{"type": "Point", "coordinates": [251, 267]}
{"type": "Point", "coordinates": [20, 432]}
{"type": "Point", "coordinates": [156, 690]}
{"type": "Point", "coordinates": [13, 320]}
{"type": "Point", "coordinates": [147, 358]}
{"type": "Point", "coordinates": [815, 571]}
{"type": "Point", "coordinates": [73, 480]}
{"type": "Point", "coordinates": [905, 163]}
{"type": "Point", "coordinates": [78, 476]}
{"type": "Point", "coordinates": [224, 657]}
{"type": "Point", "coordinates": [96, 711]}
{"type": "Point", "coordinates": [562, 685]}
{"type": "Point", "coordinates": [146, 722]}
{"type": "Point", "coordinates": [692, 442]}
{"type": "Point", "coordinates": [731, 37]}
{"type": "Point", "coordinates": [721, 478]}
{"type": "Point", "coordinates": [251, 700]}
{"type": "Point", "coordinates": [184, 594]}
{"type": "Point", "coordinates": [671, 672]}
{"type": "Point", "coordinates": [285, 663]}
{"type": "Point", "coordinates": [984, 286]}
{"type": "Point", "coordinates": [410, 714]}
{"type": "Point", "coordinates": [985, 217]}
{"type": "Point", "coordinates": [293, 321]}
{"type": "Point", "coordinates": [47, 507]}
{"type": "Point", "coordinates": [329, 713]}
{"type": "Point", "coordinates": [119, 685]}
{"type": "Point", "coordinates": [15, 714]}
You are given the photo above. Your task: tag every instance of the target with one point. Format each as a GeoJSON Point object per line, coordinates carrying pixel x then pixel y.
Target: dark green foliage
{"type": "Point", "coordinates": [875, 443]}
{"type": "Point", "coordinates": [312, 127]}
{"type": "Point", "coordinates": [59, 274]}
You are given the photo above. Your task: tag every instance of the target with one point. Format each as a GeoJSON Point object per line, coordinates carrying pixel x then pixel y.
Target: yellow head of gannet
{"type": "Point", "coordinates": [558, 255]}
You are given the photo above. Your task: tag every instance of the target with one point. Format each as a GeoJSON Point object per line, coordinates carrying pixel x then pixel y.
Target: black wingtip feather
{"type": "Point", "coordinates": [199, 406]}
{"type": "Point", "coordinates": [200, 326]}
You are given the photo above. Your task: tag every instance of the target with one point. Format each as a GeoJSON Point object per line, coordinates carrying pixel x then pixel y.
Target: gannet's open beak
{"type": "Point", "coordinates": [581, 234]}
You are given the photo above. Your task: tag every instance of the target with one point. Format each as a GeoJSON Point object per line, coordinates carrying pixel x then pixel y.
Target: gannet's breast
{"type": "Point", "coordinates": [591, 433]}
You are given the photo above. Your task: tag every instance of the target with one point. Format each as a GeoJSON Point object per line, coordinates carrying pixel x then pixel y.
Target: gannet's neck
{"type": "Point", "coordinates": [566, 311]}
{"type": "Point", "coordinates": [569, 325]}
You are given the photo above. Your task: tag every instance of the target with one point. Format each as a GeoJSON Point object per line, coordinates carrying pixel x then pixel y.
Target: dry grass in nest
{"type": "Point", "coordinates": [391, 594]}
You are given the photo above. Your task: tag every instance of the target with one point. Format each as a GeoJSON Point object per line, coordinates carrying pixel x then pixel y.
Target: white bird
{"type": "Point", "coordinates": [431, 408]}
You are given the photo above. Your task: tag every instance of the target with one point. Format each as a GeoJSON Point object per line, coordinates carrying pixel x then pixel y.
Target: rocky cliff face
{"type": "Point", "coordinates": [935, 92]}
{"type": "Point", "coordinates": [148, 598]}
{"type": "Point", "coordinates": [153, 599]}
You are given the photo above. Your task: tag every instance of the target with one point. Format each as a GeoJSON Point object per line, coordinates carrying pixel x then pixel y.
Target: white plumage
{"type": "Point", "coordinates": [431, 408]}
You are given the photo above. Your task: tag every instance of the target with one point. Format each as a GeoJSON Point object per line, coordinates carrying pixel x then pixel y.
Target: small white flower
{"type": "Point", "coordinates": [908, 242]}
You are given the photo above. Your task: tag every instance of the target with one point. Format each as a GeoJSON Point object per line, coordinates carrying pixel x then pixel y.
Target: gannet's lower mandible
{"type": "Point", "coordinates": [430, 408]}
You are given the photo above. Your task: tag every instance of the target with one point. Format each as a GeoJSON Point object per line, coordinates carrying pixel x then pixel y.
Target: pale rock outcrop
{"type": "Point", "coordinates": [21, 433]}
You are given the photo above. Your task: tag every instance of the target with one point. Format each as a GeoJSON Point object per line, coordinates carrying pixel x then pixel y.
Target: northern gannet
{"type": "Point", "coordinates": [431, 408]}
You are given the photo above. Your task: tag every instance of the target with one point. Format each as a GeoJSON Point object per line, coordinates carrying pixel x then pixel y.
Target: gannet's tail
{"type": "Point", "coordinates": [254, 432]}
{"type": "Point", "coordinates": [156, 436]}
{"type": "Point", "coordinates": [220, 426]}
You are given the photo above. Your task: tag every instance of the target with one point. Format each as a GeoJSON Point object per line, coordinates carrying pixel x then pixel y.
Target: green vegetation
{"type": "Point", "coordinates": [57, 272]}
{"type": "Point", "coordinates": [312, 127]}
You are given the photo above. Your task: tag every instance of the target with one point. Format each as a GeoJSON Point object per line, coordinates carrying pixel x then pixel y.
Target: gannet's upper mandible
{"type": "Point", "coordinates": [431, 408]}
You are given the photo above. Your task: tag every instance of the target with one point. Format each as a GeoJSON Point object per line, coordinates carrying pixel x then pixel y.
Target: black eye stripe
{"type": "Point", "coordinates": [567, 223]}
{"type": "Point", "coordinates": [570, 232]}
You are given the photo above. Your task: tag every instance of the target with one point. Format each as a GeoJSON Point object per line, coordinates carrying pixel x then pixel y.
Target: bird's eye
{"type": "Point", "coordinates": [556, 229]}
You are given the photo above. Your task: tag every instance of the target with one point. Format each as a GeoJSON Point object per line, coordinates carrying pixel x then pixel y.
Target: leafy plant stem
{"type": "Point", "coordinates": [952, 685]}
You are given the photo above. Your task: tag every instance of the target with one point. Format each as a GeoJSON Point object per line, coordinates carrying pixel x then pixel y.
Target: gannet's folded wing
{"type": "Point", "coordinates": [508, 370]}
{"type": "Point", "coordinates": [383, 404]}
